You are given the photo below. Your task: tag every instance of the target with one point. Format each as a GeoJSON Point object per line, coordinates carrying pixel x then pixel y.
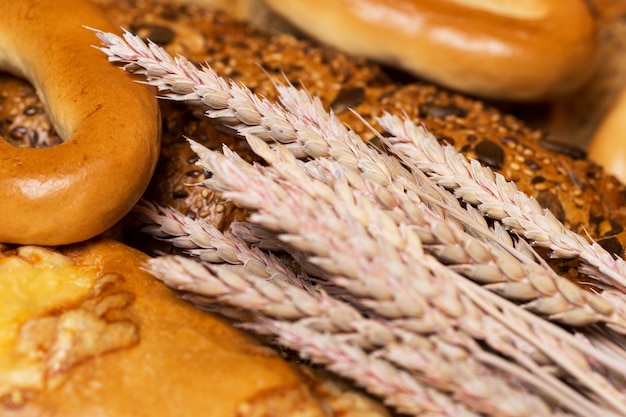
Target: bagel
{"type": "Point", "coordinates": [110, 125]}
{"type": "Point", "coordinates": [511, 50]}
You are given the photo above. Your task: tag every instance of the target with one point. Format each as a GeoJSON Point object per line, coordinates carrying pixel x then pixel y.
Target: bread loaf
{"type": "Point", "coordinates": [87, 333]}
{"type": "Point", "coordinates": [577, 190]}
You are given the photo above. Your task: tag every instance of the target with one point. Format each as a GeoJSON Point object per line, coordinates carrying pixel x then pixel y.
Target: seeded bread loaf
{"type": "Point", "coordinates": [578, 191]}
{"type": "Point", "coordinates": [23, 121]}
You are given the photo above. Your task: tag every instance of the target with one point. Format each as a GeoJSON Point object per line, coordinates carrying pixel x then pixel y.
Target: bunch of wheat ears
{"type": "Point", "coordinates": [403, 285]}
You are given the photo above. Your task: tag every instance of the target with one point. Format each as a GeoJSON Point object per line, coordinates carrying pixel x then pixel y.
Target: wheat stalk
{"type": "Point", "coordinates": [499, 199]}
{"type": "Point", "coordinates": [440, 361]}
{"type": "Point", "coordinates": [261, 289]}
{"type": "Point", "coordinates": [275, 299]}
{"type": "Point", "coordinates": [265, 126]}
{"type": "Point", "coordinates": [206, 242]}
{"type": "Point", "coordinates": [314, 133]}
{"type": "Point", "coordinates": [518, 278]}
{"type": "Point", "coordinates": [330, 224]}
{"type": "Point", "coordinates": [386, 379]}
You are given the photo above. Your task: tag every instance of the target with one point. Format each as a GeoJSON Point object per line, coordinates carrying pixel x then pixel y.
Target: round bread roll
{"type": "Point", "coordinates": [110, 123]}
{"type": "Point", "coordinates": [590, 116]}
{"type": "Point", "coordinates": [85, 332]}
{"type": "Point", "coordinates": [607, 146]}
{"type": "Point", "coordinates": [494, 49]}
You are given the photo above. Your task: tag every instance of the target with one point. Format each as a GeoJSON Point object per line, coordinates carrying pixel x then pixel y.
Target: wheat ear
{"type": "Point", "coordinates": [543, 291]}
{"type": "Point", "coordinates": [499, 199]}
{"type": "Point", "coordinates": [260, 289]}
{"type": "Point", "coordinates": [513, 274]}
{"type": "Point", "coordinates": [279, 129]}
{"type": "Point", "coordinates": [446, 362]}
{"type": "Point", "coordinates": [341, 245]}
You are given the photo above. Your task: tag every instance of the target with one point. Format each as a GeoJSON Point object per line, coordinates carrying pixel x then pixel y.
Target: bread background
{"type": "Point", "coordinates": [572, 116]}
{"type": "Point", "coordinates": [472, 125]}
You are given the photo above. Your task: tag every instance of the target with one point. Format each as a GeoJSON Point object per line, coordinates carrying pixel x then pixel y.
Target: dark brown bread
{"type": "Point", "coordinates": [579, 193]}
{"type": "Point", "coordinates": [23, 120]}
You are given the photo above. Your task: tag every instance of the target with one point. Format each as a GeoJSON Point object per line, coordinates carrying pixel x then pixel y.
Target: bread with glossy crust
{"type": "Point", "coordinates": [512, 50]}
{"type": "Point", "coordinates": [110, 123]}
{"type": "Point", "coordinates": [124, 345]}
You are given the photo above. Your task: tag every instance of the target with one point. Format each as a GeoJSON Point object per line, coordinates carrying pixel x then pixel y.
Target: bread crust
{"type": "Point", "coordinates": [110, 123]}
{"type": "Point", "coordinates": [606, 146]}
{"type": "Point", "coordinates": [512, 50]}
{"type": "Point", "coordinates": [170, 359]}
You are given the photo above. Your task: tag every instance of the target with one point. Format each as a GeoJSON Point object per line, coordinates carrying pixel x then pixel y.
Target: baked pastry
{"type": "Point", "coordinates": [86, 332]}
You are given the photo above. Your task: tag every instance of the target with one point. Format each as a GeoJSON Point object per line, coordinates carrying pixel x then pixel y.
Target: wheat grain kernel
{"type": "Point", "coordinates": [575, 317]}
{"type": "Point", "coordinates": [521, 291]}
{"type": "Point", "coordinates": [599, 304]}
{"type": "Point", "coordinates": [542, 283]}
{"type": "Point", "coordinates": [571, 292]}
{"type": "Point", "coordinates": [548, 305]}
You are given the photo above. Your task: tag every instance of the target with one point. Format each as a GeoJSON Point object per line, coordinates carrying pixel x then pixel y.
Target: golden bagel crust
{"type": "Point", "coordinates": [74, 191]}
{"type": "Point", "coordinates": [492, 49]}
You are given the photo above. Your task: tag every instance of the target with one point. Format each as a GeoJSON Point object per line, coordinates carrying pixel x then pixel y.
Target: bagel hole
{"type": "Point", "coordinates": [24, 122]}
